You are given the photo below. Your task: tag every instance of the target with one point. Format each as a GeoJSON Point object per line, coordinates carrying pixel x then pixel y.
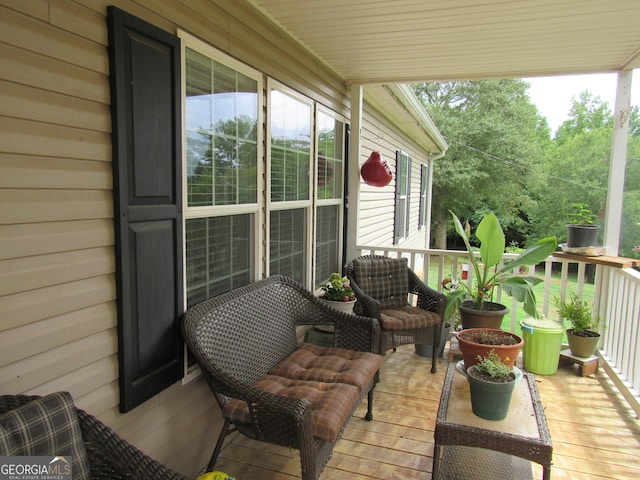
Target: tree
{"type": "Point", "coordinates": [576, 170]}
{"type": "Point", "coordinates": [495, 137]}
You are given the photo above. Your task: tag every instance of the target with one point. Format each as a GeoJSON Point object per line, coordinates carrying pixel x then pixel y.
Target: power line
{"type": "Point", "coordinates": [524, 167]}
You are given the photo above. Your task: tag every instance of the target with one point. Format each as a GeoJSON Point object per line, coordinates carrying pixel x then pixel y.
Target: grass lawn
{"type": "Point", "coordinates": [539, 291]}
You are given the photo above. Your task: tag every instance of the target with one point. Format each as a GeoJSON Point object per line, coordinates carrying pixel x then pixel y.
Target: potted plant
{"type": "Point", "coordinates": [337, 293]}
{"type": "Point", "coordinates": [491, 384]}
{"type": "Point", "coordinates": [583, 337]}
{"type": "Point", "coordinates": [488, 275]}
{"type": "Point", "coordinates": [478, 342]}
{"type": "Point", "coordinates": [581, 231]}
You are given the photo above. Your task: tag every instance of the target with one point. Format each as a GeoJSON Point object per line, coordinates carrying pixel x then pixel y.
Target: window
{"type": "Point", "coordinates": [403, 182]}
{"type": "Point", "coordinates": [329, 191]}
{"type": "Point", "coordinates": [290, 149]}
{"type": "Point", "coordinates": [221, 119]}
{"type": "Point", "coordinates": [217, 259]}
{"type": "Point", "coordinates": [226, 194]}
{"type": "Point", "coordinates": [422, 217]}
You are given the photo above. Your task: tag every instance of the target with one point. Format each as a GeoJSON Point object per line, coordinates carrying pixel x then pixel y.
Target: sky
{"type": "Point", "coordinates": [552, 95]}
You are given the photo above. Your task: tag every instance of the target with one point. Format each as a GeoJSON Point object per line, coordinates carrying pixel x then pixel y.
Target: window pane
{"type": "Point", "coordinates": [290, 148]}
{"type": "Point", "coordinates": [218, 255]}
{"type": "Point", "coordinates": [221, 116]}
{"type": "Point", "coordinates": [327, 245]}
{"type": "Point", "coordinates": [287, 244]}
{"type": "Point", "coordinates": [330, 154]}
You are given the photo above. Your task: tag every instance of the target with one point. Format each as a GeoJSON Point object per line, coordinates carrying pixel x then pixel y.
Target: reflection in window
{"type": "Point", "coordinates": [290, 148]}
{"type": "Point", "coordinates": [218, 255]}
{"type": "Point", "coordinates": [287, 244]}
{"type": "Point", "coordinates": [330, 152]}
{"type": "Point", "coordinates": [327, 246]}
{"type": "Point", "coordinates": [221, 117]}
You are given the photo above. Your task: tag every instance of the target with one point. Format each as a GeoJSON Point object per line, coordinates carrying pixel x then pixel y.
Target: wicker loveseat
{"type": "Point", "coordinates": [270, 387]}
{"type": "Point", "coordinates": [54, 426]}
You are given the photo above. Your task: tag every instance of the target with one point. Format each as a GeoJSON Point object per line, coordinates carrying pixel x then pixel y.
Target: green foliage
{"type": "Point", "coordinates": [493, 365]}
{"type": "Point", "coordinates": [338, 289]}
{"type": "Point", "coordinates": [576, 311]}
{"type": "Point", "coordinates": [494, 136]}
{"type": "Point", "coordinates": [488, 276]}
{"type": "Point", "coordinates": [580, 214]}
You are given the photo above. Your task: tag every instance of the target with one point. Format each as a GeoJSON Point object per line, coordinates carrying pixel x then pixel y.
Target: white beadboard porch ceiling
{"type": "Point", "coordinates": [400, 41]}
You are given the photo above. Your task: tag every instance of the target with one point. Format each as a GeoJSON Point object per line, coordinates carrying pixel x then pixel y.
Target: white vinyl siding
{"type": "Point", "coordinates": [376, 207]}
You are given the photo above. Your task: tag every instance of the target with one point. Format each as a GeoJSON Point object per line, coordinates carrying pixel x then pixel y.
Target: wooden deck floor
{"type": "Point", "coordinates": [594, 434]}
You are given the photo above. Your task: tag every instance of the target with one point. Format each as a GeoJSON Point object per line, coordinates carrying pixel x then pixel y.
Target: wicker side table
{"type": "Point", "coordinates": [523, 434]}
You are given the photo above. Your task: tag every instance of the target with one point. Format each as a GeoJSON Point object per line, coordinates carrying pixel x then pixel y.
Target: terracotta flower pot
{"type": "Point", "coordinates": [470, 348]}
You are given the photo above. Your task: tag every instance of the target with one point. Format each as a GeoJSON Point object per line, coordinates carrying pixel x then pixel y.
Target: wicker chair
{"type": "Point", "coordinates": [242, 337]}
{"type": "Point", "coordinates": [110, 457]}
{"type": "Point", "coordinates": [382, 286]}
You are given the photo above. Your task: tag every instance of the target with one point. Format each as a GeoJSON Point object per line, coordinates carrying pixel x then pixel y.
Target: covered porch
{"type": "Point", "coordinates": [58, 291]}
{"type": "Point", "coordinates": [594, 432]}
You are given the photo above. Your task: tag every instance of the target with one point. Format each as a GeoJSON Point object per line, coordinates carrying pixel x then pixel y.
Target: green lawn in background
{"type": "Point", "coordinates": [572, 285]}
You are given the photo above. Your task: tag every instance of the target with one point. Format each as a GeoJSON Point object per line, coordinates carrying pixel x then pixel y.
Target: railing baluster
{"type": "Point", "coordinates": [616, 298]}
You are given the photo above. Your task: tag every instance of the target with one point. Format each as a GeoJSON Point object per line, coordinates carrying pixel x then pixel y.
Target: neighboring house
{"type": "Point", "coordinates": [400, 213]}
{"type": "Point", "coordinates": [229, 145]}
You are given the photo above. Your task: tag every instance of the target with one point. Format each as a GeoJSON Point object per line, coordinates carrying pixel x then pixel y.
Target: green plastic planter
{"type": "Point", "coordinates": [542, 345]}
{"type": "Point", "coordinates": [490, 400]}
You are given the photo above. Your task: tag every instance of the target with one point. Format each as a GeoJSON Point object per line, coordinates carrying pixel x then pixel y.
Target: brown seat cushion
{"type": "Point", "coordinates": [407, 318]}
{"type": "Point", "coordinates": [333, 365]}
{"type": "Point", "coordinates": [331, 403]}
{"type": "Point", "coordinates": [385, 279]}
{"type": "Point", "coordinates": [331, 379]}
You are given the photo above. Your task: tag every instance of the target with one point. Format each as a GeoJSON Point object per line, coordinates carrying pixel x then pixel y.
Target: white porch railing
{"type": "Point", "coordinates": [616, 297]}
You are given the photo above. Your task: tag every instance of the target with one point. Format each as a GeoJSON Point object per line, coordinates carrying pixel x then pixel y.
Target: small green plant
{"type": "Point", "coordinates": [580, 214]}
{"type": "Point", "coordinates": [577, 312]}
{"type": "Point", "coordinates": [493, 366]}
{"type": "Point", "coordinates": [338, 289]}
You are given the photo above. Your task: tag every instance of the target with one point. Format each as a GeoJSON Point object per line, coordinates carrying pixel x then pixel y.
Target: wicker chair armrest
{"type": "Point", "coordinates": [233, 388]}
{"type": "Point", "coordinates": [428, 298]}
{"type": "Point", "coordinates": [271, 414]}
{"type": "Point", "coordinates": [112, 457]}
{"type": "Point", "coordinates": [353, 332]}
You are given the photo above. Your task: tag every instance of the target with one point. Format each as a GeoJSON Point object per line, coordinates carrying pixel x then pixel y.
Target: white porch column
{"type": "Point", "coordinates": [353, 201]}
{"type": "Point", "coordinates": [617, 164]}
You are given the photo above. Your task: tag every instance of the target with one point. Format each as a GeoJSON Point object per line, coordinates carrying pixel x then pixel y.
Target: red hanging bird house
{"type": "Point", "coordinates": [375, 171]}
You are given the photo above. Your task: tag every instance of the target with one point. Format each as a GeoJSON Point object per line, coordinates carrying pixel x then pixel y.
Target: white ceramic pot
{"type": "Point", "coordinates": [342, 306]}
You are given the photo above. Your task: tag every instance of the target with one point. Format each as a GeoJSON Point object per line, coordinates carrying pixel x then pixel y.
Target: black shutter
{"type": "Point", "coordinates": [408, 205]}
{"type": "Point", "coordinates": [345, 197]}
{"type": "Point", "coordinates": [397, 217]}
{"type": "Point", "coordinates": [145, 109]}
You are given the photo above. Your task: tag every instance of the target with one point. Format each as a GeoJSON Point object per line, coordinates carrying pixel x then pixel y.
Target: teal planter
{"type": "Point", "coordinates": [490, 400]}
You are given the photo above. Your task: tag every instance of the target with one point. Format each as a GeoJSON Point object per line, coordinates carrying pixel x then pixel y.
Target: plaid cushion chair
{"type": "Point", "coordinates": [53, 425]}
{"type": "Point", "coordinates": [382, 286]}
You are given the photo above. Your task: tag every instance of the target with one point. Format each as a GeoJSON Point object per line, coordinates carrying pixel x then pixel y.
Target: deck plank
{"type": "Point", "coordinates": [595, 435]}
